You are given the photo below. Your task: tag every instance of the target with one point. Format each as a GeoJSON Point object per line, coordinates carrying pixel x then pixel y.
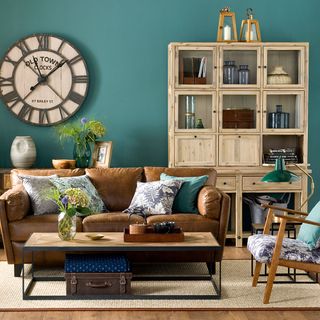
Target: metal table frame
{"type": "Point", "coordinates": [26, 289]}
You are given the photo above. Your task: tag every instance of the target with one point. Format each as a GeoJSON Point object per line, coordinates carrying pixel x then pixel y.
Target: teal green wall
{"type": "Point", "coordinates": [125, 45]}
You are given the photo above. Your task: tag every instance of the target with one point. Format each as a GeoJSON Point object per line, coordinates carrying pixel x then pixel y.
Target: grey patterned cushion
{"type": "Point", "coordinates": [84, 183]}
{"type": "Point", "coordinates": [156, 197]}
{"type": "Point", "coordinates": [38, 188]}
{"type": "Point", "coordinates": [261, 247]}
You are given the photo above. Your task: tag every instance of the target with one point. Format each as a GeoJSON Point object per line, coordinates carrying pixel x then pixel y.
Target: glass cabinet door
{"type": "Point", "coordinates": [196, 67]}
{"type": "Point", "coordinates": [284, 67]}
{"type": "Point", "coordinates": [283, 111]}
{"type": "Point", "coordinates": [239, 111]}
{"type": "Point", "coordinates": [239, 67]}
{"type": "Point", "coordinates": [195, 111]}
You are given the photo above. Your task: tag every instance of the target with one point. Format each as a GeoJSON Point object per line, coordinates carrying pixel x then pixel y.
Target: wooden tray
{"type": "Point", "coordinates": [150, 236]}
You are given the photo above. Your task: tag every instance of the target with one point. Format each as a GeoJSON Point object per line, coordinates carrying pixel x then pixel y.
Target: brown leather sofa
{"type": "Point", "coordinates": [116, 187]}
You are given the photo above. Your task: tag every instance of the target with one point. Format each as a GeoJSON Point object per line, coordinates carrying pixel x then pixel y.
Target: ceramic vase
{"type": "Point", "coordinates": [23, 152]}
{"type": "Point", "coordinates": [67, 226]}
{"type": "Point", "coordinates": [279, 76]}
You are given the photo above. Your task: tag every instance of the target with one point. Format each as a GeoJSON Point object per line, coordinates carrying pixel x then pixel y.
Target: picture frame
{"type": "Point", "coordinates": [102, 154]}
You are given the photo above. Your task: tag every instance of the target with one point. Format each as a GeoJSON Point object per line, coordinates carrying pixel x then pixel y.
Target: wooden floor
{"type": "Point", "coordinates": [229, 253]}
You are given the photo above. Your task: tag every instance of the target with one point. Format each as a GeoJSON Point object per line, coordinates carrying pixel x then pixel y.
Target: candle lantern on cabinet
{"type": "Point", "coordinates": [227, 28]}
{"type": "Point", "coordinates": [250, 29]}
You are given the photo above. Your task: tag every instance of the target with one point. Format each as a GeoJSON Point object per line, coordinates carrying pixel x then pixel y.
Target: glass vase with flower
{"type": "Point", "coordinates": [83, 135]}
{"type": "Point", "coordinates": [71, 202]}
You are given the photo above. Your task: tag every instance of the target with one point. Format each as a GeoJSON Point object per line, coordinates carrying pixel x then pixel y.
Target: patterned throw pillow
{"type": "Point", "coordinates": [84, 183]}
{"type": "Point", "coordinates": [157, 197]}
{"type": "Point", "coordinates": [38, 188]}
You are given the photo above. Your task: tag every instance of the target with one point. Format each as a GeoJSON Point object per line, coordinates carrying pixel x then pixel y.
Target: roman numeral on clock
{"type": "Point", "coordinates": [75, 59]}
{"type": "Point", "coordinates": [80, 79]}
{"type": "Point", "coordinates": [6, 82]}
{"type": "Point", "coordinates": [76, 97]}
{"type": "Point", "coordinates": [63, 112]}
{"type": "Point", "coordinates": [11, 96]}
{"type": "Point", "coordinates": [43, 117]}
{"type": "Point", "coordinates": [25, 112]}
{"type": "Point", "coordinates": [24, 48]}
{"type": "Point", "coordinates": [43, 42]}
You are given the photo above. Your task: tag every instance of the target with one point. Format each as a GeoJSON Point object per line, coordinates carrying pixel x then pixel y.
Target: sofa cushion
{"type": "Point", "coordinates": [17, 202]}
{"type": "Point", "coordinates": [22, 229]}
{"type": "Point", "coordinates": [186, 199]}
{"type": "Point", "coordinates": [96, 204]}
{"type": "Point", "coordinates": [43, 172]}
{"type": "Point", "coordinates": [116, 186]}
{"type": "Point", "coordinates": [155, 197]}
{"type": "Point", "coordinates": [109, 222]}
{"type": "Point", "coordinates": [188, 222]}
{"type": "Point", "coordinates": [38, 188]}
{"type": "Point", "coordinates": [153, 173]}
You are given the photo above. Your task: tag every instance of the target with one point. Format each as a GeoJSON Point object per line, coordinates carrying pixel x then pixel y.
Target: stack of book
{"type": "Point", "coordinates": [288, 154]}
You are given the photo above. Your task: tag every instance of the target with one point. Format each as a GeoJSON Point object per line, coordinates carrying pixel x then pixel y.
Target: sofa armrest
{"type": "Point", "coordinates": [17, 203]}
{"type": "Point", "coordinates": [209, 202]}
{"type": "Point", "coordinates": [215, 204]}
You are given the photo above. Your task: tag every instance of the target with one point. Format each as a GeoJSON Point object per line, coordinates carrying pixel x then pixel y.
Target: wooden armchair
{"type": "Point", "coordinates": [275, 250]}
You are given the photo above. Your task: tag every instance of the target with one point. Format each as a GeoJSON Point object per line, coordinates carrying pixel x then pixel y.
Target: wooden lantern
{"type": "Point", "coordinates": [250, 30]}
{"type": "Point", "coordinates": [227, 28]}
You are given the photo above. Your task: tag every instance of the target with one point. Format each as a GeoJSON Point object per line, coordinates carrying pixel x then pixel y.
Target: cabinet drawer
{"type": "Point", "coordinates": [255, 183]}
{"type": "Point", "coordinates": [226, 183]}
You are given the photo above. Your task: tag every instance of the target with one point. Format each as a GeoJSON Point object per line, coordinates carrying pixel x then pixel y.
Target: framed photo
{"type": "Point", "coordinates": [102, 154]}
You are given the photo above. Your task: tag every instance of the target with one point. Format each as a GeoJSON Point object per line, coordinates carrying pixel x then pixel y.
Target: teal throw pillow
{"type": "Point", "coordinates": [83, 182]}
{"type": "Point", "coordinates": [309, 233]}
{"type": "Point", "coordinates": [186, 199]}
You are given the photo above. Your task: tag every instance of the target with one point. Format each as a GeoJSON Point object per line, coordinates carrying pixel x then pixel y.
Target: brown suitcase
{"type": "Point", "coordinates": [98, 283]}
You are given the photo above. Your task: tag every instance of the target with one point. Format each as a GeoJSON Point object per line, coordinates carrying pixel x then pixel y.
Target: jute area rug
{"type": "Point", "coordinates": [237, 292]}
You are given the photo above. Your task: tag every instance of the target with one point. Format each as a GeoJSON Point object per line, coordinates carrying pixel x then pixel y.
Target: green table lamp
{"type": "Point", "coordinates": [280, 174]}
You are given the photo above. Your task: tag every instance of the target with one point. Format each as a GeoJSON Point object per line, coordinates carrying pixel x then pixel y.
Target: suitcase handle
{"type": "Point", "coordinates": [99, 285]}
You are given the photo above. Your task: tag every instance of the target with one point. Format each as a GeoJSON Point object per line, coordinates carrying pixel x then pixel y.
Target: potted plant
{"type": "Point", "coordinates": [82, 134]}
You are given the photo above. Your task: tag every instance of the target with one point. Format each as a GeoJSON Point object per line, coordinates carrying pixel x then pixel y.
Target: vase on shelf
{"type": "Point", "coordinates": [82, 154]}
{"type": "Point", "coordinates": [66, 226]}
{"type": "Point", "coordinates": [23, 152]}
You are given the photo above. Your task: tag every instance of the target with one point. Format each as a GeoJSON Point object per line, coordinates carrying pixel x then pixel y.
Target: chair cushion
{"type": "Point", "coordinates": [309, 233]}
{"type": "Point", "coordinates": [261, 247]}
{"type": "Point", "coordinates": [186, 199]}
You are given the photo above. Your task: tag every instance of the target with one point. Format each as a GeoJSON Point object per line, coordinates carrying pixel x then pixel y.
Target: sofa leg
{"type": "Point", "coordinates": [17, 270]}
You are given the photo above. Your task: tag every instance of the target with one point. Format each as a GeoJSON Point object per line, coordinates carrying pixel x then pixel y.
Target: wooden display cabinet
{"type": "Point", "coordinates": [237, 133]}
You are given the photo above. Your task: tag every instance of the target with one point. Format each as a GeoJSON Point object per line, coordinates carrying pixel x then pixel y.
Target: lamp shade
{"type": "Point", "coordinates": [280, 174]}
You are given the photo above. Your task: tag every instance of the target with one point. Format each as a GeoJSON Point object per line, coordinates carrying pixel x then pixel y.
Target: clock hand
{"type": "Point", "coordinates": [44, 78]}
{"type": "Point", "coordinates": [37, 66]}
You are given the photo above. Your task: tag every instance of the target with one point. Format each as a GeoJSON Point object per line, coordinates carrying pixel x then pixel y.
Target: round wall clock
{"type": "Point", "coordinates": [43, 79]}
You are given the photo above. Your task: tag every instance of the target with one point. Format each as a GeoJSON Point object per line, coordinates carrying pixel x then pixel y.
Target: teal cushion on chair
{"type": "Point", "coordinates": [186, 199]}
{"type": "Point", "coordinates": [309, 233]}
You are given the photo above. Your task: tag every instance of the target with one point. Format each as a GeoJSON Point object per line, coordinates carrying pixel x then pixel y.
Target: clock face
{"type": "Point", "coordinates": [43, 79]}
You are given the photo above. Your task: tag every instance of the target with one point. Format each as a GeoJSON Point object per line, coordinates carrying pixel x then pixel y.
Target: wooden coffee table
{"type": "Point", "coordinates": [113, 242]}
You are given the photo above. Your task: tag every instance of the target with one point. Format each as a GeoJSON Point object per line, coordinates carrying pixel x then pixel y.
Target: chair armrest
{"type": "Point", "coordinates": [284, 209]}
{"type": "Point", "coordinates": [16, 203]}
{"type": "Point", "coordinates": [297, 219]}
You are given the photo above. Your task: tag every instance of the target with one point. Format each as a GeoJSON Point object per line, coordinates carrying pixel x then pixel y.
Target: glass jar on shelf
{"type": "Point", "coordinates": [230, 72]}
{"type": "Point", "coordinates": [190, 112]}
{"type": "Point", "coordinates": [243, 74]}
